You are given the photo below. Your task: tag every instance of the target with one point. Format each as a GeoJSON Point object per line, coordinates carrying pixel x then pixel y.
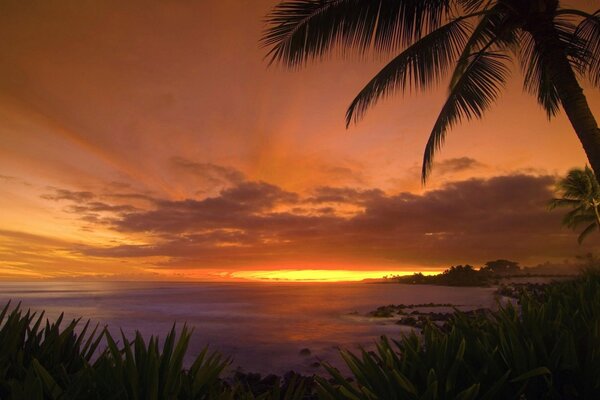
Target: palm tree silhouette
{"type": "Point", "coordinates": [581, 192]}
{"type": "Point", "coordinates": [555, 47]}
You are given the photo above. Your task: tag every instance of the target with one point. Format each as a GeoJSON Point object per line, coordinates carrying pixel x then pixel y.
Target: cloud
{"type": "Point", "coordinates": [351, 174]}
{"type": "Point", "coordinates": [132, 196]}
{"type": "Point", "coordinates": [454, 165]}
{"type": "Point", "coordinates": [97, 206]}
{"type": "Point", "coordinates": [210, 174]}
{"type": "Point", "coordinates": [86, 205]}
{"type": "Point", "coordinates": [64, 194]}
{"type": "Point", "coordinates": [445, 171]}
{"type": "Point", "coordinates": [327, 194]}
{"type": "Point", "coordinates": [256, 223]}
{"type": "Point", "coordinates": [234, 208]}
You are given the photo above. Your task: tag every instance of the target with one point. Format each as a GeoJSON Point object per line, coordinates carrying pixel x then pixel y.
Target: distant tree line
{"type": "Point", "coordinates": [467, 275]}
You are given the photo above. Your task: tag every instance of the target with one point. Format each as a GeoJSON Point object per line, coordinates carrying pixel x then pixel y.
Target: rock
{"type": "Point", "coordinates": [305, 352]}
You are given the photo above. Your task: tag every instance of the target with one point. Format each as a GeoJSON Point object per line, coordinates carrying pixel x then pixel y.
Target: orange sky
{"type": "Point", "coordinates": [150, 140]}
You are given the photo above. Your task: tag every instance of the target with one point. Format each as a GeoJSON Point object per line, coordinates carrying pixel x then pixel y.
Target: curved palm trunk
{"type": "Point", "coordinates": [570, 92]}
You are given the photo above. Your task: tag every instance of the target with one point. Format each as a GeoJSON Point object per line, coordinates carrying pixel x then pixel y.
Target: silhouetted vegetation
{"type": "Point", "coordinates": [472, 42]}
{"type": "Point", "coordinates": [459, 275]}
{"type": "Point", "coordinates": [546, 346]}
{"type": "Point", "coordinates": [580, 192]}
{"type": "Point", "coordinates": [491, 273]}
{"type": "Point", "coordinates": [42, 360]}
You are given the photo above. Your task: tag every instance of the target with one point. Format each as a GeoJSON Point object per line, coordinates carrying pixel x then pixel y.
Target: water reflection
{"type": "Point", "coordinates": [262, 326]}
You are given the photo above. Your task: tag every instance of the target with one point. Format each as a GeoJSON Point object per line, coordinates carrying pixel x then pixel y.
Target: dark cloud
{"type": "Point", "coordinates": [132, 196]}
{"type": "Point", "coordinates": [64, 194]}
{"type": "Point", "coordinates": [95, 209]}
{"type": "Point", "coordinates": [327, 194]}
{"type": "Point", "coordinates": [254, 222]}
{"type": "Point", "coordinates": [454, 165]}
{"type": "Point", "coordinates": [235, 207]}
{"type": "Point", "coordinates": [87, 207]}
{"type": "Point", "coordinates": [211, 174]}
{"type": "Point", "coordinates": [13, 180]}
{"type": "Point", "coordinates": [339, 173]}
{"type": "Point", "coordinates": [97, 206]}
{"type": "Point", "coordinates": [7, 178]}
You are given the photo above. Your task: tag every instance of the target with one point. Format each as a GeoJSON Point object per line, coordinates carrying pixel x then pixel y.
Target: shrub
{"type": "Point", "coordinates": [52, 363]}
{"type": "Point", "coordinates": [547, 347]}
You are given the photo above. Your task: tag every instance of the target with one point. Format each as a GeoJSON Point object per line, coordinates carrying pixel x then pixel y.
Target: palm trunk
{"type": "Point", "coordinates": [569, 91]}
{"type": "Point", "coordinates": [595, 206]}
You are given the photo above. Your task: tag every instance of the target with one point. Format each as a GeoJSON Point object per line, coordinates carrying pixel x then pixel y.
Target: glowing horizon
{"type": "Point", "coordinates": [312, 275]}
{"type": "Point", "coordinates": [274, 276]}
{"type": "Point", "coordinates": [292, 275]}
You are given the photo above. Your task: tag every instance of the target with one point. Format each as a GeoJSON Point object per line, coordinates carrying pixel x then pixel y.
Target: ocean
{"type": "Point", "coordinates": [262, 326]}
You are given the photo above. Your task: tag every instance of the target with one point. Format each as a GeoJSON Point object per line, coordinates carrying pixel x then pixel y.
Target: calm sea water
{"type": "Point", "coordinates": [262, 327]}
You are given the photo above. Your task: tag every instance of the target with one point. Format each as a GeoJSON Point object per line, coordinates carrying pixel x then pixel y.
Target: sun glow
{"type": "Point", "coordinates": [317, 275]}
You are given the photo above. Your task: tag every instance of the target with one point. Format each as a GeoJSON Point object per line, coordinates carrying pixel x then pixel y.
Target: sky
{"type": "Point", "coordinates": [150, 140]}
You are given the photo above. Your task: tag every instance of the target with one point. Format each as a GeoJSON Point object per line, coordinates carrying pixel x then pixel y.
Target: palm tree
{"type": "Point", "coordinates": [555, 46]}
{"type": "Point", "coordinates": [581, 192]}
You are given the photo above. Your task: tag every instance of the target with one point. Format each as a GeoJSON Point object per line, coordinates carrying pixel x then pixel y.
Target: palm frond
{"type": "Point", "coordinates": [581, 192]}
{"type": "Point", "coordinates": [588, 31]}
{"type": "Point", "coordinates": [472, 94]}
{"type": "Point", "coordinates": [580, 184]}
{"type": "Point", "coordinates": [580, 215]}
{"type": "Point", "coordinates": [491, 30]}
{"type": "Point", "coordinates": [535, 59]}
{"type": "Point", "coordinates": [575, 47]}
{"type": "Point", "coordinates": [537, 78]}
{"type": "Point", "coordinates": [420, 66]}
{"type": "Point", "coordinates": [472, 5]}
{"type": "Point", "coordinates": [299, 30]}
{"type": "Point", "coordinates": [586, 232]}
{"type": "Point", "coordinates": [555, 203]}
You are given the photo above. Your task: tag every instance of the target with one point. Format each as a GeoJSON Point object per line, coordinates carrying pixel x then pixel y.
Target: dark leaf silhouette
{"type": "Point", "coordinates": [580, 191]}
{"type": "Point", "coordinates": [475, 38]}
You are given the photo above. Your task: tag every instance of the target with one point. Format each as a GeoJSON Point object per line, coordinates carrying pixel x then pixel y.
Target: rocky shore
{"type": "Point", "coordinates": [419, 315]}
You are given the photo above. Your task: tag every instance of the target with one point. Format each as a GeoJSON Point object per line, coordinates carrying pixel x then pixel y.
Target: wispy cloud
{"type": "Point", "coordinates": [454, 165]}
{"type": "Point", "coordinates": [210, 174]}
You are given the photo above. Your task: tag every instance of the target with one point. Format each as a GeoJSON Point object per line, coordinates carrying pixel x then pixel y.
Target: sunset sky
{"type": "Point", "coordinates": [149, 140]}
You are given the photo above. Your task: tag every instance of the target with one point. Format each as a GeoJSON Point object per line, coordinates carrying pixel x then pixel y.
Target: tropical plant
{"type": "Point", "coordinates": [579, 191]}
{"type": "Point", "coordinates": [547, 347]}
{"type": "Point", "coordinates": [46, 361]}
{"type": "Point", "coordinates": [457, 275]}
{"type": "Point", "coordinates": [26, 343]}
{"type": "Point", "coordinates": [555, 46]}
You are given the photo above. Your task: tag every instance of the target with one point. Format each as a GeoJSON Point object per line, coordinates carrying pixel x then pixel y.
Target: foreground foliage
{"type": "Point", "coordinates": [40, 361]}
{"type": "Point", "coordinates": [580, 192]}
{"type": "Point", "coordinates": [547, 346]}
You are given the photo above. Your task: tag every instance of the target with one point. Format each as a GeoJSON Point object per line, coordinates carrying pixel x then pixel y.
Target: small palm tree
{"type": "Point", "coordinates": [581, 192]}
{"type": "Point", "coordinates": [556, 47]}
